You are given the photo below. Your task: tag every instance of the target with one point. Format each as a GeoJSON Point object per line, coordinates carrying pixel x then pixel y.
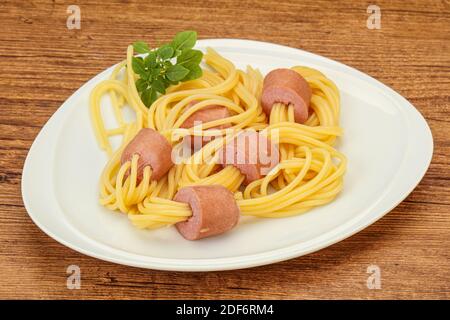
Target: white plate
{"type": "Point", "coordinates": [387, 142]}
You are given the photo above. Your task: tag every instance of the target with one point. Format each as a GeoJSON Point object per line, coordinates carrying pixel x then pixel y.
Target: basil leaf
{"type": "Point", "coordinates": [159, 85]}
{"type": "Point", "coordinates": [137, 64]}
{"type": "Point", "coordinates": [141, 47]}
{"type": "Point", "coordinates": [141, 85]}
{"type": "Point", "coordinates": [184, 40]}
{"type": "Point", "coordinates": [166, 81]}
{"type": "Point", "coordinates": [165, 52]}
{"type": "Point", "coordinates": [147, 76]}
{"type": "Point", "coordinates": [167, 64]}
{"type": "Point", "coordinates": [153, 97]}
{"type": "Point", "coordinates": [190, 57]}
{"type": "Point", "coordinates": [145, 97]}
{"type": "Point", "coordinates": [156, 72]}
{"type": "Point", "coordinates": [176, 73]}
{"type": "Point", "coordinates": [150, 60]}
{"type": "Point", "coordinates": [177, 52]}
{"type": "Point", "coordinates": [195, 72]}
{"type": "Point", "coordinates": [173, 82]}
{"type": "Point", "coordinates": [148, 97]}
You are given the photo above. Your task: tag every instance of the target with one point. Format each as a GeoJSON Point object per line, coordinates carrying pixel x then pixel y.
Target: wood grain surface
{"type": "Point", "coordinates": [42, 63]}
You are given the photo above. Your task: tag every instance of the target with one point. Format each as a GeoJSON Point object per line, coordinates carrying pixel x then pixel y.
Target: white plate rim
{"type": "Point", "coordinates": [419, 164]}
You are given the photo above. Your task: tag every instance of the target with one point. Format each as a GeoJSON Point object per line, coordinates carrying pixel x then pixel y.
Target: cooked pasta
{"type": "Point", "coordinates": [309, 173]}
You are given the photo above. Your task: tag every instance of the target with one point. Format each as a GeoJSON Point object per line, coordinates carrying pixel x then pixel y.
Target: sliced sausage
{"type": "Point", "coordinates": [206, 114]}
{"type": "Point", "coordinates": [214, 211]}
{"type": "Point", "coordinates": [288, 87]}
{"type": "Point", "coordinates": [153, 149]}
{"type": "Point", "coordinates": [252, 153]}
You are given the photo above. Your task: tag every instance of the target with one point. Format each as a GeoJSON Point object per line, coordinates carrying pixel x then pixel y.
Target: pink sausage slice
{"type": "Point", "coordinates": [214, 211]}
{"type": "Point", "coordinates": [252, 153]}
{"type": "Point", "coordinates": [153, 149]}
{"type": "Point", "coordinates": [206, 114]}
{"type": "Point", "coordinates": [288, 87]}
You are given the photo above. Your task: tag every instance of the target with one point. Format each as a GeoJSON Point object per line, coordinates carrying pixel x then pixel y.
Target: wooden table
{"type": "Point", "coordinates": [42, 63]}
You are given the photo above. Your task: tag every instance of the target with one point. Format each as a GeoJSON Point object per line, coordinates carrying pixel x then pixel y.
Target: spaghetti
{"type": "Point", "coordinates": [309, 174]}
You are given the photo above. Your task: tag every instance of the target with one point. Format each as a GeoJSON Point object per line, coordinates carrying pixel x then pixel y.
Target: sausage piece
{"type": "Point", "coordinates": [214, 211]}
{"type": "Point", "coordinates": [252, 153]}
{"type": "Point", "coordinates": [207, 114]}
{"type": "Point", "coordinates": [288, 87]}
{"type": "Point", "coordinates": [153, 149]}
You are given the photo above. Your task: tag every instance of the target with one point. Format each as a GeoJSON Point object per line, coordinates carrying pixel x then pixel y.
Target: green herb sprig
{"type": "Point", "coordinates": [167, 65]}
